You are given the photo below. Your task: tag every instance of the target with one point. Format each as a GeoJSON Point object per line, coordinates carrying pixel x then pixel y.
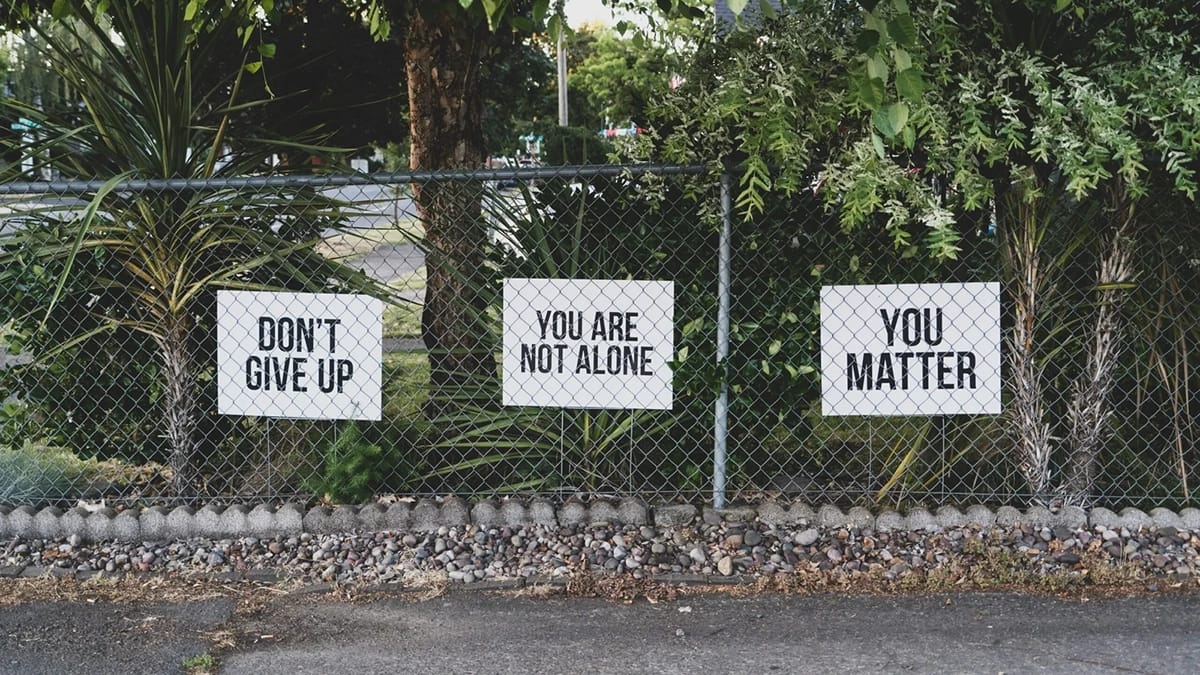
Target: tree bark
{"type": "Point", "coordinates": [1021, 235]}
{"type": "Point", "coordinates": [1090, 409]}
{"type": "Point", "coordinates": [444, 46]}
{"type": "Point", "coordinates": [179, 408]}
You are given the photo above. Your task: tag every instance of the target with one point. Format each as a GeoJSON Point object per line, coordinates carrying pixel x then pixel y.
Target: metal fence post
{"type": "Point", "coordinates": [721, 421]}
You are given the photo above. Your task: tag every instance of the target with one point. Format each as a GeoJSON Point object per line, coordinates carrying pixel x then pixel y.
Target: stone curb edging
{"type": "Point", "coordinates": [158, 523]}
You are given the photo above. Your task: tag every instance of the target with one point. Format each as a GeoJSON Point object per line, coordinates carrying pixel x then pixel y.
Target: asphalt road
{"type": "Point", "coordinates": [474, 632]}
{"type": "Point", "coordinates": [468, 633]}
{"type": "Point", "coordinates": [105, 637]}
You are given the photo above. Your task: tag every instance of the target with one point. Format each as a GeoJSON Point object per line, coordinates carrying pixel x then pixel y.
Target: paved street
{"type": "Point", "coordinates": [474, 632]}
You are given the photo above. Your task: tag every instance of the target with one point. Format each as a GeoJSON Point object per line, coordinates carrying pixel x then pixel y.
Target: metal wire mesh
{"type": "Point", "coordinates": [111, 306]}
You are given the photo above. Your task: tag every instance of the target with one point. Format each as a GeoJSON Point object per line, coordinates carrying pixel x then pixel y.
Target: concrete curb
{"type": "Point", "coordinates": [158, 523]}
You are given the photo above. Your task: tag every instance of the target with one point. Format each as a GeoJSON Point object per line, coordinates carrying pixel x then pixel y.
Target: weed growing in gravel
{"type": "Point", "coordinates": [200, 664]}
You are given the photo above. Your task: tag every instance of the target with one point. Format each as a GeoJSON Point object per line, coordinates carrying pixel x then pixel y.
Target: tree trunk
{"type": "Point", "coordinates": [1021, 233]}
{"type": "Point", "coordinates": [1090, 408]}
{"type": "Point", "coordinates": [179, 404]}
{"type": "Point", "coordinates": [443, 50]}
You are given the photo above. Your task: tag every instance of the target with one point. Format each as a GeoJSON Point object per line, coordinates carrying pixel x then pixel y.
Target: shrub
{"type": "Point", "coordinates": [352, 470]}
{"type": "Point", "coordinates": [35, 473]}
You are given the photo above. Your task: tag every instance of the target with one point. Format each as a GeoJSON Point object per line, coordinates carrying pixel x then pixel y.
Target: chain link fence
{"type": "Point", "coordinates": [125, 377]}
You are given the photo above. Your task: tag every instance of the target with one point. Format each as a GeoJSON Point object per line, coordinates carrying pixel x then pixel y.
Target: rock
{"type": "Point", "coordinates": [674, 515]}
{"type": "Point", "coordinates": [859, 517]}
{"type": "Point", "coordinates": [807, 537]}
{"type": "Point", "coordinates": [889, 521]}
{"type": "Point", "coordinates": [980, 515]}
{"type": "Point", "coordinates": [1136, 519]}
{"type": "Point", "coordinates": [948, 517]}
{"type": "Point", "coordinates": [752, 538]}
{"type": "Point", "coordinates": [1164, 517]}
{"type": "Point", "coordinates": [772, 513]}
{"type": "Point", "coordinates": [802, 513]}
{"type": "Point", "coordinates": [513, 513]}
{"type": "Point", "coordinates": [573, 512]}
{"type": "Point", "coordinates": [603, 511]}
{"type": "Point", "coordinates": [633, 511]}
{"type": "Point", "coordinates": [920, 519]}
{"type": "Point", "coordinates": [830, 516]}
{"type": "Point", "coordinates": [725, 566]}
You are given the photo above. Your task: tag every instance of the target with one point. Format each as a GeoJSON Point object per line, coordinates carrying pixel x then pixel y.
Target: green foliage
{"type": "Point", "coordinates": [34, 473]}
{"type": "Point", "coordinates": [569, 228]}
{"type": "Point", "coordinates": [198, 664]}
{"type": "Point", "coordinates": [148, 263]}
{"type": "Point", "coordinates": [352, 469]}
{"type": "Point", "coordinates": [961, 94]}
{"type": "Point", "coordinates": [573, 145]}
{"type": "Point", "coordinates": [616, 79]}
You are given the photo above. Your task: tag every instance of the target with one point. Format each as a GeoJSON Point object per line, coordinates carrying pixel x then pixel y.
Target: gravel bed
{"type": "Point", "coordinates": [977, 556]}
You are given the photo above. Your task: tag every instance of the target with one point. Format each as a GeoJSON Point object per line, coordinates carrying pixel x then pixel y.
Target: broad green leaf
{"type": "Point", "coordinates": [902, 59]}
{"type": "Point", "coordinates": [871, 91]}
{"type": "Point", "coordinates": [494, 9]}
{"type": "Point", "coordinates": [61, 9]}
{"type": "Point", "coordinates": [867, 41]}
{"type": "Point", "coordinates": [736, 6]}
{"type": "Point", "coordinates": [539, 10]}
{"type": "Point", "coordinates": [872, 21]}
{"type": "Point", "coordinates": [909, 135]}
{"type": "Point", "coordinates": [466, 4]}
{"type": "Point", "coordinates": [903, 30]}
{"type": "Point", "coordinates": [891, 118]}
{"type": "Point", "coordinates": [1060, 5]}
{"type": "Point", "coordinates": [881, 152]}
{"type": "Point", "coordinates": [877, 68]}
{"type": "Point", "coordinates": [267, 50]}
{"type": "Point", "coordinates": [188, 12]}
{"type": "Point", "coordinates": [254, 67]}
{"type": "Point", "coordinates": [775, 347]}
{"type": "Point", "coordinates": [910, 84]}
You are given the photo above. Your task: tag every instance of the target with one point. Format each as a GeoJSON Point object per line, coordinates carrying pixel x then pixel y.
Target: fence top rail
{"type": "Point", "coordinates": [340, 180]}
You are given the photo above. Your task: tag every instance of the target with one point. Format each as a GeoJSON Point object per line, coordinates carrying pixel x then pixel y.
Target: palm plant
{"type": "Point", "coordinates": [148, 256]}
{"type": "Point", "coordinates": [567, 228]}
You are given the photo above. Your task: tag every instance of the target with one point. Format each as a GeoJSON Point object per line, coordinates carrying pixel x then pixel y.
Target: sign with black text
{"type": "Point", "coordinates": [299, 355]}
{"type": "Point", "coordinates": [910, 349]}
{"type": "Point", "coordinates": [588, 343]}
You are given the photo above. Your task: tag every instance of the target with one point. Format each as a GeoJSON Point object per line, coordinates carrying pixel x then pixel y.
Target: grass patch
{"type": "Point", "coordinates": [403, 319]}
{"type": "Point", "coordinates": [356, 244]}
{"type": "Point", "coordinates": [406, 385]}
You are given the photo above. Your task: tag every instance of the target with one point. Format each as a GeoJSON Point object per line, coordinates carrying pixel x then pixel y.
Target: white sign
{"type": "Point", "coordinates": [588, 343]}
{"type": "Point", "coordinates": [299, 355]}
{"type": "Point", "coordinates": [910, 349]}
